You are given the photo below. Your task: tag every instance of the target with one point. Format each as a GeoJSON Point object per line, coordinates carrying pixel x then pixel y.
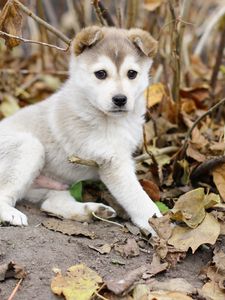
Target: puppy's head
{"type": "Point", "coordinates": [111, 66]}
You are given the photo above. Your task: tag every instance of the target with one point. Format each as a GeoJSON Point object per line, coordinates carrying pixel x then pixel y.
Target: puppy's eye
{"type": "Point", "coordinates": [131, 74]}
{"type": "Point", "coordinates": [101, 74]}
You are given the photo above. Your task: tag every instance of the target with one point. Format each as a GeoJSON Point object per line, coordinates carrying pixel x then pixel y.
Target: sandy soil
{"type": "Point", "coordinates": [40, 250]}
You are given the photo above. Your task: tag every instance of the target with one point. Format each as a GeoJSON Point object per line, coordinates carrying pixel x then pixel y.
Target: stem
{"type": "Point", "coordinates": [49, 27]}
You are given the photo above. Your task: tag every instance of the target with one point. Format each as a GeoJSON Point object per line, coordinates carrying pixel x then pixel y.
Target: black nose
{"type": "Point", "coordinates": [119, 100]}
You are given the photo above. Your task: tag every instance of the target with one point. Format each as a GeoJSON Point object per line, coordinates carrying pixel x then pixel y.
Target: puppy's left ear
{"type": "Point", "coordinates": [87, 37]}
{"type": "Point", "coordinates": [143, 41]}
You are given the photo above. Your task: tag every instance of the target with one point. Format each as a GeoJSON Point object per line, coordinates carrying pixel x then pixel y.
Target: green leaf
{"type": "Point", "coordinates": [76, 191]}
{"type": "Point", "coordinates": [162, 207]}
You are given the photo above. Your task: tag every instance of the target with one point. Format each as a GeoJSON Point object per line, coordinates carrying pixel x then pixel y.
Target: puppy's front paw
{"type": "Point", "coordinates": [11, 215]}
{"type": "Point", "coordinates": [101, 210]}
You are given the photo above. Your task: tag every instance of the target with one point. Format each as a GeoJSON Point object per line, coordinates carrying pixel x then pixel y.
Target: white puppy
{"type": "Point", "coordinates": [98, 114]}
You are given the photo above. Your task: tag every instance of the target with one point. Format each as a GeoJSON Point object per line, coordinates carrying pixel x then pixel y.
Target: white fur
{"type": "Point", "coordinates": [78, 120]}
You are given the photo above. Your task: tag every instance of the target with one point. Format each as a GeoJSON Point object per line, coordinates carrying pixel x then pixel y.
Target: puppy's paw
{"type": "Point", "coordinates": [12, 216]}
{"type": "Point", "coordinates": [101, 210]}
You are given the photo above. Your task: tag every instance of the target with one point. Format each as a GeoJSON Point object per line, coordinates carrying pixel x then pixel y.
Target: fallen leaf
{"type": "Point", "coordinates": [141, 292]}
{"type": "Point", "coordinates": [156, 91]}
{"type": "Point", "coordinates": [151, 189]}
{"type": "Point", "coordinates": [207, 232]}
{"type": "Point", "coordinates": [130, 249]}
{"type": "Point", "coordinates": [155, 267]}
{"type": "Point", "coordinates": [68, 227]}
{"type": "Point", "coordinates": [132, 228]}
{"type": "Point", "coordinates": [12, 270]}
{"type": "Point", "coordinates": [189, 208]}
{"type": "Point", "coordinates": [9, 105]}
{"type": "Point", "coordinates": [211, 291]}
{"type": "Point", "coordinates": [121, 285]}
{"type": "Point", "coordinates": [174, 284]}
{"type": "Point", "coordinates": [11, 22]}
{"type": "Point", "coordinates": [80, 282]}
{"type": "Point", "coordinates": [76, 191]}
{"type": "Point", "coordinates": [162, 295]}
{"type": "Point", "coordinates": [219, 260]}
{"type": "Point", "coordinates": [219, 179]}
{"type": "Point", "coordinates": [162, 207]}
{"type": "Point", "coordinates": [162, 226]}
{"type": "Point", "coordinates": [194, 153]}
{"type": "Point", "coordinates": [104, 249]}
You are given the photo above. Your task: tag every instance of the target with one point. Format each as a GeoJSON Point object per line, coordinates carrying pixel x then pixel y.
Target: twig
{"type": "Point", "coordinates": [95, 3]}
{"type": "Point", "coordinates": [207, 31]}
{"type": "Point", "coordinates": [131, 13]}
{"type": "Point", "coordinates": [160, 151]}
{"type": "Point", "coordinates": [49, 27]}
{"type": "Point", "coordinates": [86, 162]}
{"type": "Point", "coordinates": [2, 33]}
{"type": "Point", "coordinates": [105, 14]}
{"type": "Point", "coordinates": [107, 221]}
{"type": "Point", "coordinates": [199, 119]}
{"type": "Point", "coordinates": [218, 62]}
{"type": "Point", "coordinates": [15, 289]}
{"type": "Point", "coordinates": [100, 296]}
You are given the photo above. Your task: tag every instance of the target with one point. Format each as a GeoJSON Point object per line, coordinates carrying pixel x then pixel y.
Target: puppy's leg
{"type": "Point", "coordinates": [119, 177]}
{"type": "Point", "coordinates": [61, 203]}
{"type": "Point", "coordinates": [21, 159]}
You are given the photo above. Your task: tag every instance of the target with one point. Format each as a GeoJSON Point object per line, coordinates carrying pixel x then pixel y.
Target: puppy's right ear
{"type": "Point", "coordinates": [88, 37]}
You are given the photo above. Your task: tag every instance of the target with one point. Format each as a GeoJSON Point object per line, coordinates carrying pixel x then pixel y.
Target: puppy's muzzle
{"type": "Point", "coordinates": [119, 100]}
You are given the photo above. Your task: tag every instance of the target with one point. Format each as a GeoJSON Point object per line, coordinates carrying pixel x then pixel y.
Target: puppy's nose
{"type": "Point", "coordinates": [119, 100]}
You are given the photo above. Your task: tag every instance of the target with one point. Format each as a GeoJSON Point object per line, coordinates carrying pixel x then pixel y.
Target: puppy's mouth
{"type": "Point", "coordinates": [118, 111]}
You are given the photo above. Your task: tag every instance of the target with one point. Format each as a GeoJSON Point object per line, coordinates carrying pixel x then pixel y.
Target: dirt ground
{"type": "Point", "coordinates": [40, 250]}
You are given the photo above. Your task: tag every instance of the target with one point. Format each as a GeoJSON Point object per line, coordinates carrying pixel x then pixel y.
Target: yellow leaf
{"type": "Point", "coordinates": [219, 179]}
{"type": "Point", "coordinates": [211, 291]}
{"type": "Point", "coordinates": [207, 232]}
{"type": "Point", "coordinates": [80, 282]}
{"type": "Point", "coordinates": [151, 5]}
{"type": "Point", "coordinates": [162, 295]}
{"type": "Point", "coordinates": [154, 94]}
{"type": "Point", "coordinates": [9, 106]}
{"type": "Point", "coordinates": [189, 208]}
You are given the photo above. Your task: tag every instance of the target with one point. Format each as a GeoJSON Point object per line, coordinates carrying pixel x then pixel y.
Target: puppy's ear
{"type": "Point", "coordinates": [143, 41]}
{"type": "Point", "coordinates": [88, 37]}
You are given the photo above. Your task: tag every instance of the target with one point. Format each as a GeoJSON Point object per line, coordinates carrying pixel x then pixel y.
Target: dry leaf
{"type": "Point", "coordinates": [211, 291]}
{"type": "Point", "coordinates": [141, 292]}
{"type": "Point", "coordinates": [162, 295]}
{"type": "Point", "coordinates": [194, 153]}
{"type": "Point", "coordinates": [219, 179]}
{"type": "Point", "coordinates": [189, 208]}
{"type": "Point", "coordinates": [219, 260]}
{"type": "Point", "coordinates": [12, 270]}
{"type": "Point", "coordinates": [119, 286]}
{"type": "Point", "coordinates": [174, 284]}
{"type": "Point", "coordinates": [155, 267]}
{"type": "Point", "coordinates": [162, 226]}
{"type": "Point", "coordinates": [68, 227]}
{"type": "Point", "coordinates": [80, 282]}
{"type": "Point", "coordinates": [152, 5]}
{"type": "Point", "coordinates": [11, 22]}
{"type": "Point", "coordinates": [151, 189]}
{"type": "Point", "coordinates": [132, 228]}
{"type": "Point", "coordinates": [156, 91]}
{"type": "Point", "coordinates": [9, 105]}
{"type": "Point", "coordinates": [207, 232]}
{"type": "Point", "coordinates": [130, 249]}
{"type": "Point", "coordinates": [104, 249]}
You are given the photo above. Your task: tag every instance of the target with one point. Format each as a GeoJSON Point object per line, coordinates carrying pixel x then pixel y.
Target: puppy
{"type": "Point", "coordinates": [98, 114]}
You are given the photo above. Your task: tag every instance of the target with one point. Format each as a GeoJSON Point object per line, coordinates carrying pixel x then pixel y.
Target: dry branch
{"type": "Point", "coordinates": [2, 33]}
{"type": "Point", "coordinates": [49, 27]}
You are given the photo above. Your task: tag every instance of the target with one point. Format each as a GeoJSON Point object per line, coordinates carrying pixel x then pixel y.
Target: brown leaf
{"type": "Point", "coordinates": [162, 295]}
{"type": "Point", "coordinates": [12, 270]}
{"type": "Point", "coordinates": [130, 249]}
{"type": "Point", "coordinates": [121, 285]}
{"type": "Point", "coordinates": [104, 249]}
{"type": "Point", "coordinates": [68, 227]}
{"type": "Point", "coordinates": [162, 226]}
{"type": "Point", "coordinates": [174, 284]}
{"type": "Point", "coordinates": [194, 153]}
{"type": "Point", "coordinates": [219, 179]}
{"type": "Point", "coordinates": [207, 232]}
{"type": "Point", "coordinates": [151, 189]}
{"type": "Point", "coordinates": [155, 267]}
{"type": "Point", "coordinates": [211, 291]}
{"type": "Point", "coordinates": [156, 91]}
{"type": "Point", "coordinates": [11, 22]}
